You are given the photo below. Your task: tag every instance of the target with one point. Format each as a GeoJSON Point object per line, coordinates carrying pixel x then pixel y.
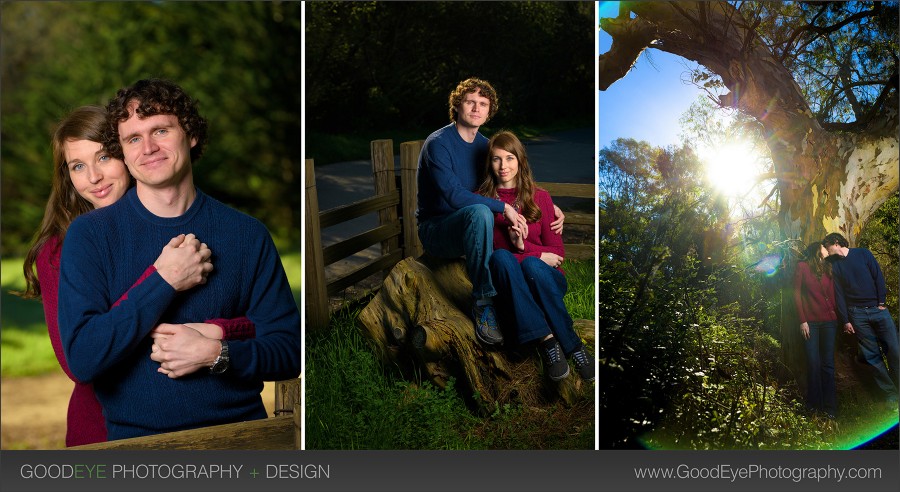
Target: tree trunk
{"type": "Point", "coordinates": [418, 321]}
{"type": "Point", "coordinates": [828, 181]}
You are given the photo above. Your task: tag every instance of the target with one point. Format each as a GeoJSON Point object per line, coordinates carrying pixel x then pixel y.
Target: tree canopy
{"type": "Point", "coordinates": [373, 65]}
{"type": "Point", "coordinates": [240, 60]}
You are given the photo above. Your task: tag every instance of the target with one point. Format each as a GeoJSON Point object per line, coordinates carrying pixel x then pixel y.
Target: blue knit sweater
{"type": "Point", "coordinates": [858, 281]}
{"type": "Point", "coordinates": [106, 249]}
{"type": "Point", "coordinates": [449, 169]}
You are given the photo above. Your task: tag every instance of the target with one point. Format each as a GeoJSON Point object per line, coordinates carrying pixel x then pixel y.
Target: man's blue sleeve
{"type": "Point", "coordinates": [276, 352]}
{"type": "Point", "coordinates": [95, 337]}
{"type": "Point", "coordinates": [440, 160]}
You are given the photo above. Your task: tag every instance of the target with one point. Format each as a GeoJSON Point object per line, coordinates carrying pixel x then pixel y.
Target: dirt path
{"type": "Point", "coordinates": [33, 410]}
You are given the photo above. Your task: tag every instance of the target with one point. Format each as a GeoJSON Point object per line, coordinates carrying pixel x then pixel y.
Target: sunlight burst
{"type": "Point", "coordinates": [732, 167]}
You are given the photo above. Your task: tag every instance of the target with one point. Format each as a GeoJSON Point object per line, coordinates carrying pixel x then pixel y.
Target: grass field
{"type": "Point", "coordinates": [25, 346]}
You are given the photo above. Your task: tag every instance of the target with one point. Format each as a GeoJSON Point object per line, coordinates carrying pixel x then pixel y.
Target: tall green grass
{"type": "Point", "coordinates": [579, 298]}
{"type": "Point", "coordinates": [24, 344]}
{"type": "Point", "coordinates": [353, 402]}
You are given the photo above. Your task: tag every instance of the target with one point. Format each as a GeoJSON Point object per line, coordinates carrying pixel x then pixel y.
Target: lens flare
{"type": "Point", "coordinates": [769, 265]}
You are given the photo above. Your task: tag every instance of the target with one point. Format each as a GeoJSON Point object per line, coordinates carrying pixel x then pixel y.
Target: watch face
{"type": "Point", "coordinates": [219, 366]}
{"type": "Point", "coordinates": [221, 363]}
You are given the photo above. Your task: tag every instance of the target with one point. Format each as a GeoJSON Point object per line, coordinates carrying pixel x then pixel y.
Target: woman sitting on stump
{"type": "Point", "coordinates": [525, 265]}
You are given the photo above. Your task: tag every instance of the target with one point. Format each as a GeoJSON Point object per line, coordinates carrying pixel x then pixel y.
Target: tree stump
{"type": "Point", "coordinates": [419, 322]}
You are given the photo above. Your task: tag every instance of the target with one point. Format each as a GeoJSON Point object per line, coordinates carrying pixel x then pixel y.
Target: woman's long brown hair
{"type": "Point", "coordinates": [818, 265]}
{"type": "Point", "coordinates": [525, 186]}
{"type": "Point", "coordinates": [64, 203]}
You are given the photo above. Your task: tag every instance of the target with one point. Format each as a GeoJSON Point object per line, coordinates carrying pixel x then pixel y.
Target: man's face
{"type": "Point", "coordinates": [473, 110]}
{"type": "Point", "coordinates": [833, 249]}
{"type": "Point", "coordinates": [157, 151]}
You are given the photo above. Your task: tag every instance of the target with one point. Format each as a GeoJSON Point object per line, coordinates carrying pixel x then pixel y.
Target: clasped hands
{"type": "Point", "coordinates": [181, 349]}
{"type": "Point", "coordinates": [185, 262]}
{"type": "Point", "coordinates": [518, 231]}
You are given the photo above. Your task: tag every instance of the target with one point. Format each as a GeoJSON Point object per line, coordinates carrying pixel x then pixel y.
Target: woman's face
{"type": "Point", "coordinates": [97, 177]}
{"type": "Point", "coordinates": [823, 253]}
{"type": "Point", "coordinates": [505, 167]}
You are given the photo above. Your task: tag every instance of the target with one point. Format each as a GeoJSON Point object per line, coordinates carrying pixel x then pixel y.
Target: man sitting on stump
{"type": "Point", "coordinates": [453, 220]}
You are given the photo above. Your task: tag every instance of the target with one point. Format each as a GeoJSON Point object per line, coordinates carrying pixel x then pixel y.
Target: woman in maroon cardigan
{"type": "Point", "coordinates": [526, 262]}
{"type": "Point", "coordinates": [814, 298]}
{"type": "Point", "coordinates": [85, 178]}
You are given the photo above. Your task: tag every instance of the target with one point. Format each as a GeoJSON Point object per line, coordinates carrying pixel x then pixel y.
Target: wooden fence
{"type": "Point", "coordinates": [280, 432]}
{"type": "Point", "coordinates": [396, 221]}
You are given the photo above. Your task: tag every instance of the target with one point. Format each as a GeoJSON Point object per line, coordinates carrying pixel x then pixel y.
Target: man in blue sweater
{"type": "Point", "coordinates": [859, 292]}
{"type": "Point", "coordinates": [149, 383]}
{"type": "Point", "coordinates": [453, 220]}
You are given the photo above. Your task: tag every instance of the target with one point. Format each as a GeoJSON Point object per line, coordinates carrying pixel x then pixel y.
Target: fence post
{"type": "Point", "coordinates": [383, 174]}
{"type": "Point", "coordinates": [288, 400]}
{"type": "Point", "coordinates": [409, 164]}
{"type": "Point", "coordinates": [315, 291]}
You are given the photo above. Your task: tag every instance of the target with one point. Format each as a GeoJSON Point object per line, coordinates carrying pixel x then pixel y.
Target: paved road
{"type": "Point", "coordinates": [565, 157]}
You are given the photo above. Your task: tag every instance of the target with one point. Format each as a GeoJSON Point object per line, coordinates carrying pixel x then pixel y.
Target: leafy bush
{"type": "Point", "coordinates": [687, 356]}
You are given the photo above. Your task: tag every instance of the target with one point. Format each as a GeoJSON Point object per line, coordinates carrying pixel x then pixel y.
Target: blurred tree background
{"type": "Point", "coordinates": [373, 66]}
{"type": "Point", "coordinates": [240, 60]}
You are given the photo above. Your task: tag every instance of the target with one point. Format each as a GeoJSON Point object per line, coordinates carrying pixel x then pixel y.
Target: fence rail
{"type": "Point", "coordinates": [396, 230]}
{"type": "Point", "coordinates": [280, 432]}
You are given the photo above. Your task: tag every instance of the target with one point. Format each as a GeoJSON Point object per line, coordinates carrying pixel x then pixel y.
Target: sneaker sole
{"type": "Point", "coordinates": [560, 378]}
{"type": "Point", "coordinates": [485, 341]}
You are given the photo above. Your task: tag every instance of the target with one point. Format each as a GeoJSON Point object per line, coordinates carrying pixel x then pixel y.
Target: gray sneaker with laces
{"type": "Point", "coordinates": [583, 364]}
{"type": "Point", "coordinates": [554, 361]}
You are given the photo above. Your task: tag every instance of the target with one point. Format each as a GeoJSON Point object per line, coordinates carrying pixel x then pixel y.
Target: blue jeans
{"type": "Point", "coordinates": [531, 295]}
{"type": "Point", "coordinates": [821, 391]}
{"type": "Point", "coordinates": [873, 325]}
{"type": "Point", "coordinates": [467, 232]}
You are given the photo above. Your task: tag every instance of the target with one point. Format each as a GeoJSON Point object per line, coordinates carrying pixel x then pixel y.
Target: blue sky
{"type": "Point", "coordinates": [647, 103]}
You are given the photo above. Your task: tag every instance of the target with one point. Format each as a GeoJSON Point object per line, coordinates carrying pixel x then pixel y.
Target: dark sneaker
{"type": "Point", "coordinates": [583, 364]}
{"type": "Point", "coordinates": [554, 362]}
{"type": "Point", "coordinates": [486, 329]}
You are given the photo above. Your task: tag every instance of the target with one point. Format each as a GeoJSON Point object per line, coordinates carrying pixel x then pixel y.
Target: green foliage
{"type": "Point", "coordinates": [24, 345]}
{"type": "Point", "coordinates": [25, 348]}
{"type": "Point", "coordinates": [373, 65]}
{"type": "Point", "coordinates": [684, 319]}
{"type": "Point", "coordinates": [240, 60]}
{"type": "Point", "coordinates": [882, 236]}
{"type": "Point", "coordinates": [352, 402]}
{"type": "Point", "coordinates": [841, 53]}
{"type": "Point", "coordinates": [729, 396]}
{"type": "Point", "coordinates": [579, 298]}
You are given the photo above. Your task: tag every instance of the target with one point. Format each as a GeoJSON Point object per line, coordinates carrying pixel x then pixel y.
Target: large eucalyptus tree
{"type": "Point", "coordinates": [820, 77]}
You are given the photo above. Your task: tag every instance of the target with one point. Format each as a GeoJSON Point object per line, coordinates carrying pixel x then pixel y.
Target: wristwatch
{"type": "Point", "coordinates": [222, 362]}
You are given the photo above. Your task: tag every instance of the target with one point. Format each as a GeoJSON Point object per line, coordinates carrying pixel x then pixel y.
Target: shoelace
{"type": "Point", "coordinates": [553, 354]}
{"type": "Point", "coordinates": [487, 317]}
{"type": "Point", "coordinates": [581, 358]}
